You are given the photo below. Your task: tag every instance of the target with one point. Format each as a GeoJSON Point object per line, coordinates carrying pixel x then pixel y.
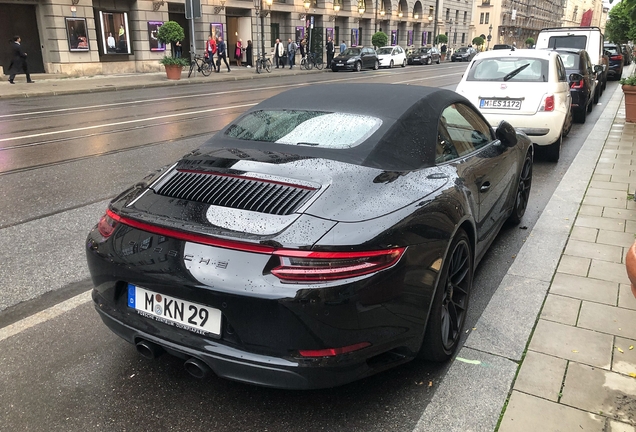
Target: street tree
{"type": "Point", "coordinates": [620, 26]}
{"type": "Point", "coordinates": [379, 39]}
{"type": "Point", "coordinates": [478, 41]}
{"type": "Point", "coordinates": [529, 42]}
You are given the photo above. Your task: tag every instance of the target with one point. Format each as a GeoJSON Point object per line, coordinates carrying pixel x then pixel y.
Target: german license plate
{"type": "Point", "coordinates": [514, 104]}
{"type": "Point", "coordinates": [175, 312]}
{"type": "Point", "coordinates": [340, 64]}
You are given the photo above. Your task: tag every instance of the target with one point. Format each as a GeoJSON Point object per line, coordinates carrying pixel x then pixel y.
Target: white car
{"type": "Point", "coordinates": [527, 88]}
{"type": "Point", "coordinates": [390, 56]}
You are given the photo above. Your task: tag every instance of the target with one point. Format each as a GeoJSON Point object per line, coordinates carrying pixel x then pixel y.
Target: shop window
{"type": "Point", "coordinates": [115, 35]}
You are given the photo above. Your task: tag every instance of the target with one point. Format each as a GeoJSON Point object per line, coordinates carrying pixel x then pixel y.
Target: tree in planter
{"type": "Point", "coordinates": [441, 39]}
{"type": "Point", "coordinates": [478, 41]}
{"type": "Point", "coordinates": [529, 42]}
{"type": "Point", "coordinates": [379, 39]}
{"type": "Point", "coordinates": [629, 89]}
{"type": "Point", "coordinates": [170, 33]}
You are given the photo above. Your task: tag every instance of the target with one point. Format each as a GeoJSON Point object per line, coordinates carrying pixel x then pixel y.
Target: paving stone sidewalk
{"type": "Point", "coordinates": [579, 372]}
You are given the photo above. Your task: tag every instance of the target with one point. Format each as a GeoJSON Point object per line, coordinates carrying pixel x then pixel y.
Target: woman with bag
{"type": "Point", "coordinates": [210, 50]}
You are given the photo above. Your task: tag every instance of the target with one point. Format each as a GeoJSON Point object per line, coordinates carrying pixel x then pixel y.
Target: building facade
{"type": "Point", "coordinates": [88, 37]}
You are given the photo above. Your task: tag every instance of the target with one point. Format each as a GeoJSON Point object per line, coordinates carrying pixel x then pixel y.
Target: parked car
{"type": "Point", "coordinates": [616, 62]}
{"type": "Point", "coordinates": [464, 54]}
{"type": "Point", "coordinates": [319, 238]}
{"type": "Point", "coordinates": [627, 54]}
{"type": "Point", "coordinates": [355, 59]}
{"type": "Point", "coordinates": [501, 46]}
{"type": "Point", "coordinates": [390, 56]}
{"type": "Point", "coordinates": [424, 55]}
{"type": "Point", "coordinates": [527, 88]}
{"type": "Point", "coordinates": [582, 78]}
{"type": "Point", "coordinates": [590, 39]}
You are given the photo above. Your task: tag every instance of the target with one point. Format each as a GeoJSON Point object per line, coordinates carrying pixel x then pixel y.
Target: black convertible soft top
{"type": "Point", "coordinates": [405, 141]}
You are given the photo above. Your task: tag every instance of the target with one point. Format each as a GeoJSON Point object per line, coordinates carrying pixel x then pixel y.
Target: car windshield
{"type": "Point", "coordinates": [351, 52]}
{"type": "Point", "coordinates": [570, 60]}
{"type": "Point", "coordinates": [386, 50]}
{"type": "Point", "coordinates": [309, 128]}
{"type": "Point", "coordinates": [513, 69]}
{"type": "Point", "coordinates": [423, 50]}
{"type": "Point", "coordinates": [462, 50]}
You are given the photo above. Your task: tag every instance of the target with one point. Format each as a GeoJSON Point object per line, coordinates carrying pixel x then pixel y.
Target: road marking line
{"type": "Point", "coordinates": [45, 315]}
{"type": "Point", "coordinates": [124, 122]}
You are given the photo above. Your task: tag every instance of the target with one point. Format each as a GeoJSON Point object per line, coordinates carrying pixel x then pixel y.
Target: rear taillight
{"type": "Point", "coordinates": [548, 103]}
{"type": "Point", "coordinates": [106, 225]}
{"type": "Point", "coordinates": [577, 84]}
{"type": "Point", "coordinates": [616, 57]}
{"type": "Point", "coordinates": [309, 266]}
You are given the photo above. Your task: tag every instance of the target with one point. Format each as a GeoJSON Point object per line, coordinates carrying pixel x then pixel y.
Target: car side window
{"type": "Point", "coordinates": [466, 130]}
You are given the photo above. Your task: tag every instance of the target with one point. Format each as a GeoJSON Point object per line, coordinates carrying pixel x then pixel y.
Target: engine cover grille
{"type": "Point", "coordinates": [258, 195]}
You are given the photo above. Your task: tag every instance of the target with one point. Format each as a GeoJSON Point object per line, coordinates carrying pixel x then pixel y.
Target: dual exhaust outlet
{"type": "Point", "coordinates": [195, 367]}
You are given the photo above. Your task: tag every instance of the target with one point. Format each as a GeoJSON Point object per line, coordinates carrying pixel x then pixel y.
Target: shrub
{"type": "Point", "coordinates": [478, 41]}
{"type": "Point", "coordinates": [169, 33]}
{"type": "Point", "coordinates": [442, 38]}
{"type": "Point", "coordinates": [631, 81]}
{"type": "Point", "coordinates": [379, 39]}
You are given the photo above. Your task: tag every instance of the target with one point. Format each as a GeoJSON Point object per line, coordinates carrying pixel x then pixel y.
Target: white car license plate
{"type": "Point", "coordinates": [340, 64]}
{"type": "Point", "coordinates": [175, 312]}
{"type": "Point", "coordinates": [514, 104]}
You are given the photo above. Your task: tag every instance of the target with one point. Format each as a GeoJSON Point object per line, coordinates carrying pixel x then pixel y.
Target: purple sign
{"type": "Point", "coordinates": [153, 28]}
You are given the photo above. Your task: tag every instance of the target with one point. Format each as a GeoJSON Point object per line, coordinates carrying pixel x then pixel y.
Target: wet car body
{"type": "Point", "coordinates": [464, 54]}
{"type": "Point", "coordinates": [616, 63]}
{"type": "Point", "coordinates": [424, 56]}
{"type": "Point", "coordinates": [387, 219]}
{"type": "Point", "coordinates": [355, 59]}
{"type": "Point", "coordinates": [582, 78]}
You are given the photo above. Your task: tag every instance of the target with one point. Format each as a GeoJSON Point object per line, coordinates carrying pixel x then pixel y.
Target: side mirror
{"type": "Point", "coordinates": [574, 77]}
{"type": "Point", "coordinates": [506, 134]}
{"type": "Point", "coordinates": [598, 68]}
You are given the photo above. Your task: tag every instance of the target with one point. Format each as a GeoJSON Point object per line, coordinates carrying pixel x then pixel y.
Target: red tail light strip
{"type": "Point", "coordinates": [296, 265]}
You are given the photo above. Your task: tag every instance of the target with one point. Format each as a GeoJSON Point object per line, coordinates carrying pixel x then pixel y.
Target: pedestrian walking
{"type": "Point", "coordinates": [330, 51]}
{"type": "Point", "coordinates": [291, 52]}
{"type": "Point", "coordinates": [210, 50]}
{"type": "Point", "coordinates": [19, 61]}
{"type": "Point", "coordinates": [343, 46]}
{"type": "Point", "coordinates": [221, 53]}
{"type": "Point", "coordinates": [249, 54]}
{"type": "Point", "coordinates": [279, 53]}
{"type": "Point", "coordinates": [177, 49]}
{"type": "Point", "coordinates": [238, 52]}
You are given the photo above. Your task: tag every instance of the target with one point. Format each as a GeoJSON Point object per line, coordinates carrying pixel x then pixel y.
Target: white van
{"type": "Point", "coordinates": [588, 38]}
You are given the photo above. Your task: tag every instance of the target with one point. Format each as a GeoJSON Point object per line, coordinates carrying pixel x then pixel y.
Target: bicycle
{"type": "Point", "coordinates": [202, 66]}
{"type": "Point", "coordinates": [263, 63]}
{"type": "Point", "coordinates": [310, 61]}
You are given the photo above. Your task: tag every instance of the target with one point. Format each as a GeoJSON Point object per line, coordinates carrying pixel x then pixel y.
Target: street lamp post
{"type": "Point", "coordinates": [262, 14]}
{"type": "Point", "coordinates": [435, 22]}
{"type": "Point", "coordinates": [489, 37]}
{"type": "Point", "coordinates": [307, 5]}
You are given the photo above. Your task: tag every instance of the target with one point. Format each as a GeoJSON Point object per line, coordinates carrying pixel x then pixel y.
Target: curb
{"type": "Point", "coordinates": [481, 375]}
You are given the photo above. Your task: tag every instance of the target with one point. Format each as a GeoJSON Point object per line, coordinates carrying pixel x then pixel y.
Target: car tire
{"type": "Point", "coordinates": [391, 65]}
{"type": "Point", "coordinates": [429, 61]}
{"type": "Point", "coordinates": [580, 116]}
{"type": "Point", "coordinates": [523, 191]}
{"type": "Point", "coordinates": [553, 151]}
{"type": "Point", "coordinates": [437, 60]}
{"type": "Point", "coordinates": [358, 66]}
{"type": "Point", "coordinates": [404, 63]}
{"type": "Point", "coordinates": [376, 65]}
{"type": "Point", "coordinates": [590, 106]}
{"type": "Point", "coordinates": [450, 302]}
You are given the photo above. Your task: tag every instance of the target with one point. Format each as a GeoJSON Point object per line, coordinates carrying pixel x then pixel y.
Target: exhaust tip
{"type": "Point", "coordinates": [148, 349]}
{"type": "Point", "coordinates": [197, 368]}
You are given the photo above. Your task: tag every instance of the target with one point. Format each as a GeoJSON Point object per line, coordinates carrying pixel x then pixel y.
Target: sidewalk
{"type": "Point", "coordinates": [52, 85]}
{"type": "Point", "coordinates": [579, 372]}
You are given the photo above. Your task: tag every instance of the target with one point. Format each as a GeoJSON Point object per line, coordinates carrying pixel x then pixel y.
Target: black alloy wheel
{"type": "Point", "coordinates": [523, 191]}
{"type": "Point", "coordinates": [450, 303]}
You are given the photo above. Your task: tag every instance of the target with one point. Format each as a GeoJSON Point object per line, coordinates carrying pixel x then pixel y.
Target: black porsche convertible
{"type": "Point", "coordinates": [327, 234]}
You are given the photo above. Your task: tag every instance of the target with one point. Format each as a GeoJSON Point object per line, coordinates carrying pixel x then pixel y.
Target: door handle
{"type": "Point", "coordinates": [484, 187]}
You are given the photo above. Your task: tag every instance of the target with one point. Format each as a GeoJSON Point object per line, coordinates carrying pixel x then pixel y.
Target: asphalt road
{"type": "Point", "coordinates": [61, 160]}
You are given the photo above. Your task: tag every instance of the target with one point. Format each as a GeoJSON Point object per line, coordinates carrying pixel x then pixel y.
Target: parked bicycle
{"type": "Point", "coordinates": [201, 64]}
{"type": "Point", "coordinates": [310, 61]}
{"type": "Point", "coordinates": [263, 62]}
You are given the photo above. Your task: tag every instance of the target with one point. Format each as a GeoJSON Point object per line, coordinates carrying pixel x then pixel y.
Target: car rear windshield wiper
{"type": "Point", "coordinates": [307, 143]}
{"type": "Point", "coordinates": [515, 72]}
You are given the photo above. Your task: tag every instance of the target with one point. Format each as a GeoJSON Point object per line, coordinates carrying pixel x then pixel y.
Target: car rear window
{"type": "Point", "coordinates": [571, 41]}
{"type": "Point", "coordinates": [570, 60]}
{"type": "Point", "coordinates": [510, 69]}
{"type": "Point", "coordinates": [611, 49]}
{"type": "Point", "coordinates": [307, 128]}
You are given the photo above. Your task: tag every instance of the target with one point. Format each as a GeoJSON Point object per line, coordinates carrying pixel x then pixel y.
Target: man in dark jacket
{"type": "Point", "coordinates": [330, 51]}
{"type": "Point", "coordinates": [19, 61]}
{"type": "Point", "coordinates": [221, 52]}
